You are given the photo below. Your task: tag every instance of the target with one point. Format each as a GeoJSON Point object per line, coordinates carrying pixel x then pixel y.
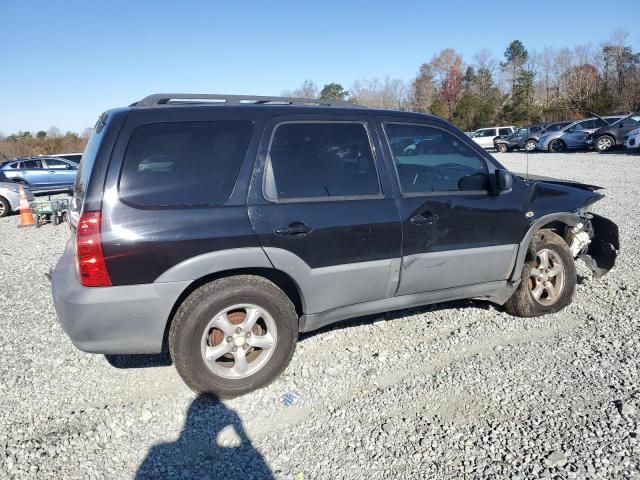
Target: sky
{"type": "Point", "coordinates": [63, 63]}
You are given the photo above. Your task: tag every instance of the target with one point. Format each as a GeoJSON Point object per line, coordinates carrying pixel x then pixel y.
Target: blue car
{"type": "Point", "coordinates": [42, 174]}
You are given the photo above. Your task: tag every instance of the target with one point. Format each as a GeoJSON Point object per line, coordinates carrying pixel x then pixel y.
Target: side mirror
{"type": "Point", "coordinates": [504, 180]}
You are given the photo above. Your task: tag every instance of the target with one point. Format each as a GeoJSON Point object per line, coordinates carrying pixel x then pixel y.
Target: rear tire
{"type": "Point", "coordinates": [533, 296]}
{"type": "Point", "coordinates": [557, 146]}
{"type": "Point", "coordinates": [5, 208]}
{"type": "Point", "coordinates": [502, 148]}
{"type": "Point", "coordinates": [200, 332]}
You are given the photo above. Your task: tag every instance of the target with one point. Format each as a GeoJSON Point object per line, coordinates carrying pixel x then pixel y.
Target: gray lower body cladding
{"type": "Point", "coordinates": [496, 292]}
{"type": "Point", "coordinates": [127, 319]}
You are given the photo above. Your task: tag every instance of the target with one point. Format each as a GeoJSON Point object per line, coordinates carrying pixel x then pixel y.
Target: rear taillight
{"type": "Point", "coordinates": [91, 266]}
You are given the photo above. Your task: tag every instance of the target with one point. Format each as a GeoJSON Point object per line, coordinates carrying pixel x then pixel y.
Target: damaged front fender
{"type": "Point", "coordinates": [602, 251]}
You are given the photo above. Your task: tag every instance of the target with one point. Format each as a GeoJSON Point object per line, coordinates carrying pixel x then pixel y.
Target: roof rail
{"type": "Point", "coordinates": [160, 99]}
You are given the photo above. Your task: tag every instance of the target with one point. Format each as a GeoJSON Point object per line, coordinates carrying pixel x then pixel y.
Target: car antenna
{"type": "Point", "coordinates": [527, 174]}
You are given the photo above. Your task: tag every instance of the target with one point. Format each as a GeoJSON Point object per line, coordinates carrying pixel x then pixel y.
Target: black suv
{"type": "Point", "coordinates": [612, 135]}
{"type": "Point", "coordinates": [526, 138]}
{"type": "Point", "coordinates": [223, 226]}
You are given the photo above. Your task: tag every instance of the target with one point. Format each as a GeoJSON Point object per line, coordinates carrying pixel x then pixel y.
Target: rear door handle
{"type": "Point", "coordinates": [424, 219]}
{"type": "Point", "coordinates": [294, 228]}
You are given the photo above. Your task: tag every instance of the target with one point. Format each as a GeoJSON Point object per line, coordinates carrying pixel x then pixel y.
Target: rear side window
{"type": "Point", "coordinates": [184, 163]}
{"type": "Point", "coordinates": [31, 164]}
{"type": "Point", "coordinates": [504, 131]}
{"type": "Point", "coordinates": [429, 160]}
{"type": "Point", "coordinates": [311, 160]}
{"type": "Point", "coordinates": [489, 132]}
{"type": "Point", "coordinates": [57, 164]}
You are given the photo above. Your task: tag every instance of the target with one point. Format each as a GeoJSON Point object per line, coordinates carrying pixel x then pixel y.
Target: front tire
{"type": "Point", "coordinates": [530, 145]}
{"type": "Point", "coordinates": [548, 281]}
{"type": "Point", "coordinates": [604, 143]}
{"type": "Point", "coordinates": [5, 208]}
{"type": "Point", "coordinates": [557, 146]}
{"type": "Point", "coordinates": [233, 335]}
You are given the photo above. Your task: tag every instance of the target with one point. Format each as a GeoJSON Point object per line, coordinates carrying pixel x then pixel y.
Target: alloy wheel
{"type": "Point", "coordinates": [604, 143]}
{"type": "Point", "coordinates": [547, 277]}
{"type": "Point", "coordinates": [239, 341]}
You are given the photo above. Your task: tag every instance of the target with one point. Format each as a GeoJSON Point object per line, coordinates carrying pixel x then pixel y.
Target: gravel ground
{"type": "Point", "coordinates": [457, 390]}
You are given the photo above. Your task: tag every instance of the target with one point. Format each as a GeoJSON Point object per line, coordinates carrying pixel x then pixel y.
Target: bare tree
{"type": "Point", "coordinates": [308, 89]}
{"type": "Point", "coordinates": [53, 132]}
{"type": "Point", "coordinates": [484, 59]}
{"type": "Point", "coordinates": [389, 93]}
{"type": "Point", "coordinates": [423, 90]}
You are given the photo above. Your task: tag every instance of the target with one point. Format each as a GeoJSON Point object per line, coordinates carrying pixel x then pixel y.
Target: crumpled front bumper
{"type": "Point", "coordinates": [604, 247]}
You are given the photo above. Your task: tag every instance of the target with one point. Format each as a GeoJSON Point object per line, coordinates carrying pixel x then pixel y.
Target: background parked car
{"type": "Point", "coordinates": [10, 196]}
{"type": "Point", "coordinates": [518, 139]}
{"type": "Point", "coordinates": [42, 174]}
{"type": "Point", "coordinates": [526, 138]}
{"type": "Point", "coordinates": [632, 140]}
{"type": "Point", "coordinates": [612, 135]}
{"type": "Point", "coordinates": [484, 136]}
{"type": "Point", "coordinates": [573, 135]}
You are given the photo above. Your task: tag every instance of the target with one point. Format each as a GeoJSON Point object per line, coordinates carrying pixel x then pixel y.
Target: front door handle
{"type": "Point", "coordinates": [294, 228]}
{"type": "Point", "coordinates": [424, 219]}
{"type": "Point", "coordinates": [52, 171]}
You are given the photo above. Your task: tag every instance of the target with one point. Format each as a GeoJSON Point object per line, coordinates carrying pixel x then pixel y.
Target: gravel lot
{"type": "Point", "coordinates": [458, 390]}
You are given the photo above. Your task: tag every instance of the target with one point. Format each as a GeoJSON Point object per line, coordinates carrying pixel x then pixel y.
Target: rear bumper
{"type": "Point", "coordinates": [112, 320]}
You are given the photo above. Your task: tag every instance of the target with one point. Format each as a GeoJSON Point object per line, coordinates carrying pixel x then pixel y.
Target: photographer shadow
{"type": "Point", "coordinates": [212, 445]}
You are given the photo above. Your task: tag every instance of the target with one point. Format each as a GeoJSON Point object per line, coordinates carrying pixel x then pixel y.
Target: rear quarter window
{"type": "Point", "coordinates": [183, 163]}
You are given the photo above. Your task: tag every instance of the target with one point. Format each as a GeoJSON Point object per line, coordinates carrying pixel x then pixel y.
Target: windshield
{"type": "Point", "coordinates": [629, 119]}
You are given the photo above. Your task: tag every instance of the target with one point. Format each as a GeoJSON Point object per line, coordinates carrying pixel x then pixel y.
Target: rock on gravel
{"type": "Point", "coordinates": [457, 390]}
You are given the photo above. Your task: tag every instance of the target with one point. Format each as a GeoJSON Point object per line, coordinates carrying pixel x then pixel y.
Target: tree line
{"type": "Point", "coordinates": [24, 144]}
{"type": "Point", "coordinates": [522, 87]}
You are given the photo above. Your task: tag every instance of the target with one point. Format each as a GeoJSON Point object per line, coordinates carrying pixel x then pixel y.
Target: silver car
{"type": "Point", "coordinates": [10, 196]}
{"type": "Point", "coordinates": [573, 135]}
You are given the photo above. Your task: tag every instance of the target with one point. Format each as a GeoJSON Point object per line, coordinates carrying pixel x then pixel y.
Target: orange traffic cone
{"type": "Point", "coordinates": [26, 218]}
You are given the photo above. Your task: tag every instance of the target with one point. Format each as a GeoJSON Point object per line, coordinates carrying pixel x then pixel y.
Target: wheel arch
{"type": "Point", "coordinates": [281, 279]}
{"type": "Point", "coordinates": [554, 222]}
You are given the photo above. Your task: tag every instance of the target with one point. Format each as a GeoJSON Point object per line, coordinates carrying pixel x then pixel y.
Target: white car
{"type": "Point", "coordinates": [484, 136]}
{"type": "Point", "coordinates": [10, 196]}
{"type": "Point", "coordinates": [632, 139]}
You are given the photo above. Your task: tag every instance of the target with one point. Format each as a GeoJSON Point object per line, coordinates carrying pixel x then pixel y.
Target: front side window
{"type": "Point", "coordinates": [429, 159]}
{"type": "Point", "coordinates": [183, 163]}
{"type": "Point", "coordinates": [313, 160]}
